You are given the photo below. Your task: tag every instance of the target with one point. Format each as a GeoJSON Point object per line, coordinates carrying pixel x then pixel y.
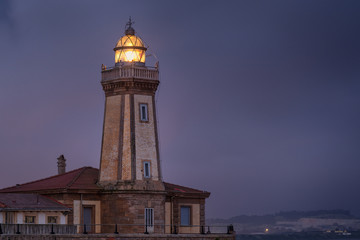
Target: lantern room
{"type": "Point", "coordinates": [130, 48]}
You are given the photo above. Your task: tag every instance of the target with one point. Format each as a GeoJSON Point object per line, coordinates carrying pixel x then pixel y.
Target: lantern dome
{"type": "Point", "coordinates": [130, 48]}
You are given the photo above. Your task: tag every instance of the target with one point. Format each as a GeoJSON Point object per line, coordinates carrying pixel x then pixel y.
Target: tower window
{"type": "Point", "coordinates": [185, 215]}
{"type": "Point", "coordinates": [147, 169]}
{"type": "Point", "coordinates": [144, 112]}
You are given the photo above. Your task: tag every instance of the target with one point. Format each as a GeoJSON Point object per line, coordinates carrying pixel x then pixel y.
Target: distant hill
{"type": "Point", "coordinates": [285, 216]}
{"type": "Point", "coordinates": [335, 214]}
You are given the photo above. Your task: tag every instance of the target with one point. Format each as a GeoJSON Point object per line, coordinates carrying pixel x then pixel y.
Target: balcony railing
{"type": "Point", "coordinates": [30, 229]}
{"type": "Point", "coordinates": [37, 229]}
{"type": "Point", "coordinates": [130, 72]}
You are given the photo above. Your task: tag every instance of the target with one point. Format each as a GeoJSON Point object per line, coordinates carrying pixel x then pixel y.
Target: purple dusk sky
{"type": "Point", "coordinates": [259, 101]}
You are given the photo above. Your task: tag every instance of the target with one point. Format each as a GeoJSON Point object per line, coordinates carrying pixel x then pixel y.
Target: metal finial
{"type": "Point", "coordinates": [128, 28]}
{"type": "Point", "coordinates": [129, 23]}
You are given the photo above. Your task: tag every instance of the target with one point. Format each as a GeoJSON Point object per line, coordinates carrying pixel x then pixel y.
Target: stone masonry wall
{"type": "Point", "coordinates": [110, 145]}
{"type": "Point", "coordinates": [128, 209]}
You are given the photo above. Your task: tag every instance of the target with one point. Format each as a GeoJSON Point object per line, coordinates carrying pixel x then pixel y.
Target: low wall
{"type": "Point", "coordinates": [119, 237]}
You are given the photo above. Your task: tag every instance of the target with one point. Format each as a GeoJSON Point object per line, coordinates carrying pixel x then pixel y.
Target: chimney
{"type": "Point", "coordinates": [61, 164]}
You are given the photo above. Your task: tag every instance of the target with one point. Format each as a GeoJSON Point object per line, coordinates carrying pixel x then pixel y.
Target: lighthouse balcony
{"type": "Point", "coordinates": [129, 71]}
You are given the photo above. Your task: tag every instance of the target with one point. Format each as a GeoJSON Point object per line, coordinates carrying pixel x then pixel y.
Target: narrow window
{"type": "Point", "coordinates": [144, 112]}
{"type": "Point", "coordinates": [29, 219]}
{"type": "Point", "coordinates": [185, 214]}
{"type": "Point", "coordinates": [52, 219]}
{"type": "Point", "coordinates": [147, 169]}
{"type": "Point", "coordinates": [149, 217]}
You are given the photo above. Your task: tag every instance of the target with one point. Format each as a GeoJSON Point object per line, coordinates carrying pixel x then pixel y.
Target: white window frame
{"type": "Point", "coordinates": [147, 169]}
{"type": "Point", "coordinates": [144, 115]}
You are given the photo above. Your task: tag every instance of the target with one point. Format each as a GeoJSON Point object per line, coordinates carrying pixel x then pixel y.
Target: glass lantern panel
{"type": "Point", "coordinates": [122, 41]}
{"type": "Point", "coordinates": [117, 56]}
{"type": "Point", "coordinates": [130, 55]}
{"type": "Point", "coordinates": [142, 57]}
{"type": "Point", "coordinates": [138, 55]}
{"type": "Point", "coordinates": [130, 40]}
{"type": "Point", "coordinates": [137, 41]}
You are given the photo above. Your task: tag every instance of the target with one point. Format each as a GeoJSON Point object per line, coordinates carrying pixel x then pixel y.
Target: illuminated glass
{"type": "Point", "coordinates": [130, 48]}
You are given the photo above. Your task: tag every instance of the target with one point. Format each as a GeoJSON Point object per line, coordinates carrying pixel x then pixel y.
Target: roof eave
{"type": "Point", "coordinates": [34, 210]}
{"type": "Point", "coordinates": [188, 195]}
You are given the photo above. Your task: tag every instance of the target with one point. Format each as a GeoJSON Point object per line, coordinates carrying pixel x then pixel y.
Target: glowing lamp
{"type": "Point", "coordinates": [130, 48]}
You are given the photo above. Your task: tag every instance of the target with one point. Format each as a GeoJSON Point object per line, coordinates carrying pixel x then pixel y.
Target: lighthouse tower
{"type": "Point", "coordinates": [133, 193]}
{"type": "Point", "coordinates": [130, 149]}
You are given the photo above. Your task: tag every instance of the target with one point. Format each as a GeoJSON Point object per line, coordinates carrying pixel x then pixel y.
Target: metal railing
{"type": "Point", "coordinates": [29, 229]}
{"type": "Point", "coordinates": [130, 72]}
{"type": "Point", "coordinates": [37, 229]}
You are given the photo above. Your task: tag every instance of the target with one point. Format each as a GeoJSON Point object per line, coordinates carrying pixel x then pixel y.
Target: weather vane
{"type": "Point", "coordinates": [128, 29]}
{"type": "Point", "coordinates": [129, 23]}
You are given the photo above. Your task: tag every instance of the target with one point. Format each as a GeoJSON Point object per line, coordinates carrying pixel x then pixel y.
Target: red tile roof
{"type": "Point", "coordinates": [84, 178]}
{"type": "Point", "coordinates": [29, 202]}
{"type": "Point", "coordinates": [173, 188]}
